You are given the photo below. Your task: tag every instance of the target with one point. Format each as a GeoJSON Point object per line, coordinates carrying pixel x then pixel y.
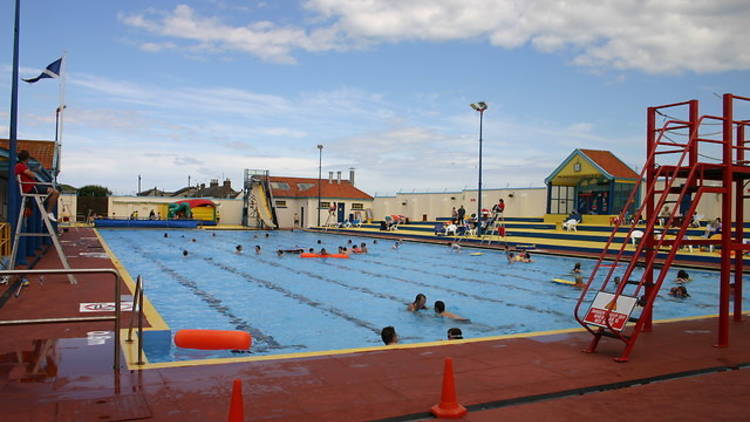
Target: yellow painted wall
{"type": "Point", "coordinates": [568, 176]}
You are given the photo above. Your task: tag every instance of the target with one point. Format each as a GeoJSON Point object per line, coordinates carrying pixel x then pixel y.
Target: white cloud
{"type": "Point", "coordinates": [262, 38]}
{"type": "Point", "coordinates": [654, 36]}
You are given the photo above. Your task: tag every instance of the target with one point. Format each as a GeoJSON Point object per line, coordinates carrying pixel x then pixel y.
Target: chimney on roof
{"type": "Point", "coordinates": [338, 177]}
{"type": "Point", "coordinates": [351, 175]}
{"type": "Point", "coordinates": [228, 184]}
{"type": "Point", "coordinates": [330, 177]}
{"type": "Point", "coordinates": [214, 183]}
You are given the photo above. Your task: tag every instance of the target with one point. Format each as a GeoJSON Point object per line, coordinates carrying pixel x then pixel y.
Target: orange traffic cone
{"type": "Point", "coordinates": [448, 407]}
{"type": "Point", "coordinates": [236, 407]}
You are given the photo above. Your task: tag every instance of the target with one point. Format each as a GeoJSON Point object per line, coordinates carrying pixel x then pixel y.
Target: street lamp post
{"type": "Point", "coordinates": [320, 172]}
{"type": "Point", "coordinates": [480, 107]}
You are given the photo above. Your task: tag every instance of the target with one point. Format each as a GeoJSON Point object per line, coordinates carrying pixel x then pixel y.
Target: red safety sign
{"type": "Point", "coordinates": [619, 311]}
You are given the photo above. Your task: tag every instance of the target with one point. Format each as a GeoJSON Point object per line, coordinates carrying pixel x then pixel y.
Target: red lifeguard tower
{"type": "Point", "coordinates": [678, 170]}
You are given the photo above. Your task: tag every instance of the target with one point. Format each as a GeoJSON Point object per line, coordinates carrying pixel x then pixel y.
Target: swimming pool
{"type": "Point", "coordinates": [291, 305]}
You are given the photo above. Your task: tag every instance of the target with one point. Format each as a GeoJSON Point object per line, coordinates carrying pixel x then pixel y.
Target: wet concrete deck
{"type": "Point", "coordinates": [58, 373]}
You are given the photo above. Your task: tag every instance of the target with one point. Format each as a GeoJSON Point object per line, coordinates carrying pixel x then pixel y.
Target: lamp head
{"type": "Point", "coordinates": [320, 146]}
{"type": "Point", "coordinates": [480, 106]}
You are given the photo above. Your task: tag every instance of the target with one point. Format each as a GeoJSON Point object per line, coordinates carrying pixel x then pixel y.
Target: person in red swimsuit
{"type": "Point", "coordinates": [29, 184]}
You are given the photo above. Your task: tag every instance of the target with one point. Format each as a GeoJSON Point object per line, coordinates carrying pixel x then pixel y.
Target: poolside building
{"type": "Point", "coordinates": [296, 199]}
{"type": "Point", "coordinates": [592, 182]}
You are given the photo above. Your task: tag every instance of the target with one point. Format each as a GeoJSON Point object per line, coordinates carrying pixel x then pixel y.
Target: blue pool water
{"type": "Point", "coordinates": [290, 304]}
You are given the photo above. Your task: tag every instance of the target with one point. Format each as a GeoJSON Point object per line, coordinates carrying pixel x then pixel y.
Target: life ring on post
{"type": "Point", "coordinates": [213, 339]}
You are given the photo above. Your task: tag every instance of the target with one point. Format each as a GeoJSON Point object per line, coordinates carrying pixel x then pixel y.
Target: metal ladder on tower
{"type": "Point", "coordinates": [611, 308]}
{"type": "Point", "coordinates": [37, 199]}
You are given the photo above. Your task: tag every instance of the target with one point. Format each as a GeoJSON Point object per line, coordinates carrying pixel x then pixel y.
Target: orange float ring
{"type": "Point", "coordinates": [317, 255]}
{"type": "Point", "coordinates": [213, 339]}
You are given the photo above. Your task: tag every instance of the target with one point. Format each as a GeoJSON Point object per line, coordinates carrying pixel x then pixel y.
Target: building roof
{"type": "Point", "coordinates": [215, 190]}
{"type": "Point", "coordinates": [611, 164]}
{"type": "Point", "coordinates": [309, 188]}
{"type": "Point", "coordinates": [42, 151]}
{"type": "Point", "coordinates": [585, 163]}
{"type": "Point", "coordinates": [153, 192]}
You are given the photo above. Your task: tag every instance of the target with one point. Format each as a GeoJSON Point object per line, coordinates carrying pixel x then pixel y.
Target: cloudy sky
{"type": "Point", "coordinates": [207, 88]}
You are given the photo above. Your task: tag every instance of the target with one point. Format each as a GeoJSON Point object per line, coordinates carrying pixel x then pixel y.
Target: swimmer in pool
{"type": "Point", "coordinates": [323, 251]}
{"type": "Point", "coordinates": [419, 303]}
{"type": "Point", "coordinates": [455, 247]}
{"type": "Point", "coordinates": [389, 336]}
{"type": "Point", "coordinates": [193, 240]}
{"type": "Point", "coordinates": [280, 253]}
{"type": "Point", "coordinates": [184, 253]}
{"type": "Point", "coordinates": [510, 257]}
{"type": "Point", "coordinates": [257, 249]}
{"type": "Point", "coordinates": [397, 244]}
{"type": "Point", "coordinates": [527, 257]}
{"type": "Point", "coordinates": [238, 249]}
{"type": "Point", "coordinates": [679, 292]}
{"type": "Point", "coordinates": [311, 250]}
{"type": "Point", "coordinates": [166, 235]}
{"type": "Point", "coordinates": [363, 247]}
{"type": "Point", "coordinates": [576, 269]}
{"type": "Point", "coordinates": [682, 277]}
{"type": "Point", "coordinates": [455, 334]}
{"type": "Point", "coordinates": [440, 311]}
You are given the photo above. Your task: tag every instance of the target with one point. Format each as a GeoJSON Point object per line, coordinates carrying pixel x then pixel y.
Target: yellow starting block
{"type": "Point", "coordinates": [563, 281]}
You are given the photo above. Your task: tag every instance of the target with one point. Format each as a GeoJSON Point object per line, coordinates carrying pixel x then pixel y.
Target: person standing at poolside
{"type": "Point", "coordinates": [454, 215]}
{"type": "Point", "coordinates": [389, 336]}
{"type": "Point", "coordinates": [461, 214]}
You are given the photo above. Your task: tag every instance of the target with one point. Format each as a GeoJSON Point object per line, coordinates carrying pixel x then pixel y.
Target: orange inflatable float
{"type": "Point", "coordinates": [213, 339]}
{"type": "Point", "coordinates": [317, 255]}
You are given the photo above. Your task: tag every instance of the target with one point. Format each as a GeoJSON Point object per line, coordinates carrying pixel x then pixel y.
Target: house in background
{"type": "Point", "coordinates": [296, 199]}
{"type": "Point", "coordinates": [213, 190]}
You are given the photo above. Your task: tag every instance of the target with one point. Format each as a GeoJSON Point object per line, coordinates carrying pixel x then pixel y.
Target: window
{"type": "Point", "coordinates": [358, 206]}
{"type": "Point", "coordinates": [280, 185]}
{"type": "Point", "coordinates": [561, 199]}
{"type": "Point", "coordinates": [324, 205]}
{"type": "Point", "coordinates": [281, 204]}
{"type": "Point", "coordinates": [305, 186]}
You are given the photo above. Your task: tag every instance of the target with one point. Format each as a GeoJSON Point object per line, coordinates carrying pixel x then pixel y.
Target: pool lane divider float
{"type": "Point", "coordinates": [317, 255]}
{"type": "Point", "coordinates": [213, 339]}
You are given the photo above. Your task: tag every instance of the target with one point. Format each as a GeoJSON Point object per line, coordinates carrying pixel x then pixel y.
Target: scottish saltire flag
{"type": "Point", "coordinates": [52, 71]}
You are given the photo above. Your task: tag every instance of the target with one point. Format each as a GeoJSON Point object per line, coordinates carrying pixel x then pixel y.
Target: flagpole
{"type": "Point", "coordinates": [61, 108]}
{"type": "Point", "coordinates": [13, 199]}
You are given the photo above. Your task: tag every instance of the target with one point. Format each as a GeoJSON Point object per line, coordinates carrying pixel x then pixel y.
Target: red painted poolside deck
{"type": "Point", "coordinates": [51, 373]}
